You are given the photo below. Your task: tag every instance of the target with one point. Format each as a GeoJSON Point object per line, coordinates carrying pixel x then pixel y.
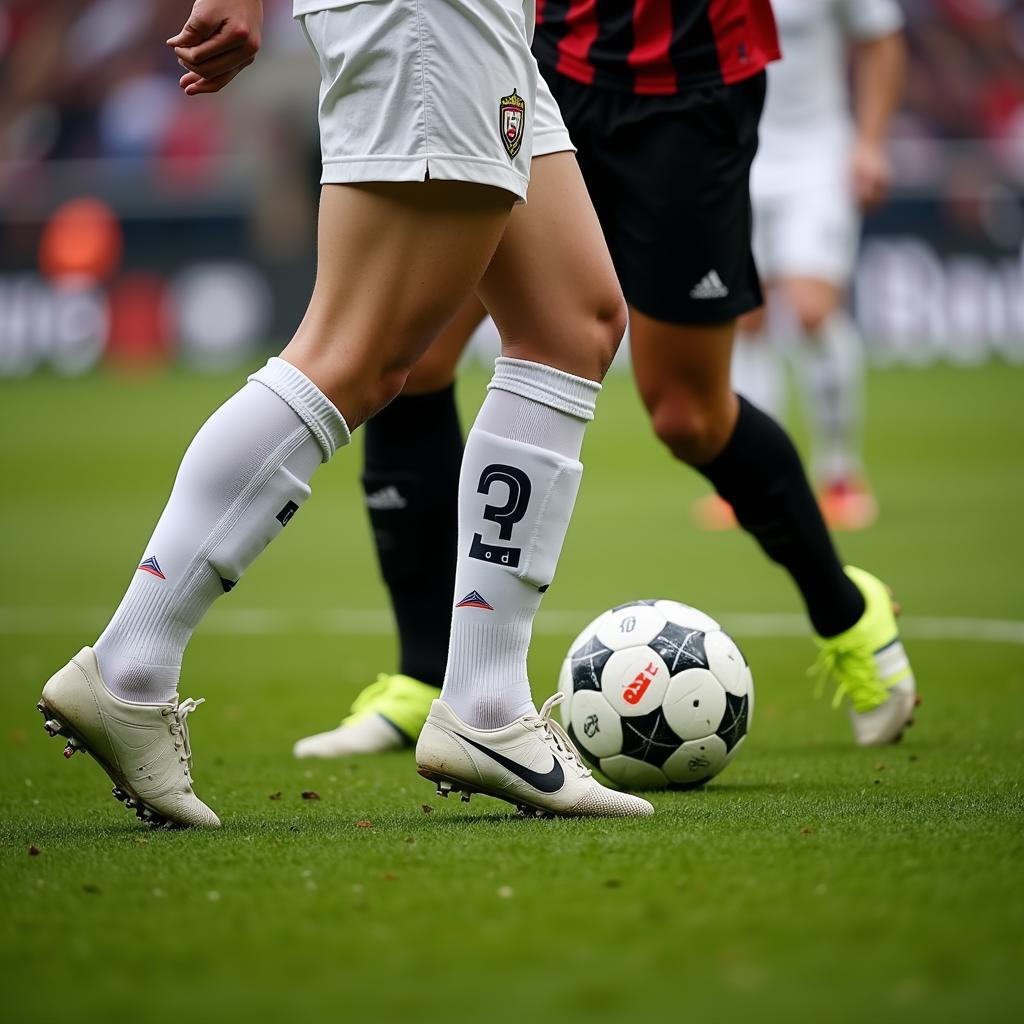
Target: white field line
{"type": "Point", "coordinates": [378, 622]}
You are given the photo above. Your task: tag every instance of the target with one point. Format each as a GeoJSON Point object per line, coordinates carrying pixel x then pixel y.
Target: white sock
{"type": "Point", "coordinates": [520, 476]}
{"type": "Point", "coordinates": [244, 475]}
{"type": "Point", "coordinates": [757, 372]}
{"type": "Point", "coordinates": [830, 365]}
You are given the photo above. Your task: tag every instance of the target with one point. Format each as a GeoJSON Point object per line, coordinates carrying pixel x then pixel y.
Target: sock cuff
{"type": "Point", "coordinates": [564, 392]}
{"type": "Point", "coordinates": [307, 401]}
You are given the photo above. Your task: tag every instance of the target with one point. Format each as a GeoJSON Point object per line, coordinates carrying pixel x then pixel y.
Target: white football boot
{"type": "Point", "coordinates": [144, 748]}
{"type": "Point", "coordinates": [531, 763]}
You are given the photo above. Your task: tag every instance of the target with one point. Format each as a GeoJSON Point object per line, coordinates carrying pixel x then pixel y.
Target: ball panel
{"type": "Point", "coordinates": [596, 729]}
{"type": "Point", "coordinates": [685, 615]}
{"type": "Point", "coordinates": [680, 647]}
{"type": "Point", "coordinates": [735, 720]}
{"type": "Point", "coordinates": [694, 703]}
{"type": "Point", "coordinates": [630, 773]}
{"type": "Point", "coordinates": [632, 625]}
{"type": "Point", "coordinates": [726, 661]}
{"type": "Point", "coordinates": [649, 738]}
{"type": "Point", "coordinates": [696, 760]}
{"type": "Point", "coordinates": [634, 681]}
{"type": "Point", "coordinates": [587, 662]}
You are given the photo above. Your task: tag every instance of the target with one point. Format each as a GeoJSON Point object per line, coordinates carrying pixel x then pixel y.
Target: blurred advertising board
{"type": "Point", "coordinates": [943, 280]}
{"type": "Point", "coordinates": [936, 282]}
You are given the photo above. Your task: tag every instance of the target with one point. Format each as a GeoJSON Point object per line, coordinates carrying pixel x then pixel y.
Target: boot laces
{"type": "Point", "coordinates": [177, 713]}
{"type": "Point", "coordinates": [555, 736]}
{"type": "Point", "coordinates": [852, 668]}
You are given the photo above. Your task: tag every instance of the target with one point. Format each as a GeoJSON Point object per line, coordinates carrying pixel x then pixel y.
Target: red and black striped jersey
{"type": "Point", "coordinates": [655, 47]}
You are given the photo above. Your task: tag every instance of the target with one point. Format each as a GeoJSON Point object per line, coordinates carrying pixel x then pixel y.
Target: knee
{"type": "Point", "coordinates": [604, 332]}
{"type": "Point", "coordinates": [583, 342]}
{"type": "Point", "coordinates": [363, 394]}
{"type": "Point", "coordinates": [388, 386]}
{"type": "Point", "coordinates": [693, 430]}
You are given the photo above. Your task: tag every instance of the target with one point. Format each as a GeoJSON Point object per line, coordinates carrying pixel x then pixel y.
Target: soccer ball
{"type": "Point", "coordinates": [657, 695]}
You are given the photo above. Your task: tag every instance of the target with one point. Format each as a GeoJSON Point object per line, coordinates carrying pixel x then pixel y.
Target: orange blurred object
{"type": "Point", "coordinates": [849, 504]}
{"type": "Point", "coordinates": [82, 239]}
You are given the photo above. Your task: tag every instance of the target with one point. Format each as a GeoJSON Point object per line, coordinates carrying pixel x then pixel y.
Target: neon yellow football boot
{"type": "Point", "coordinates": [387, 715]}
{"type": "Point", "coordinates": [870, 667]}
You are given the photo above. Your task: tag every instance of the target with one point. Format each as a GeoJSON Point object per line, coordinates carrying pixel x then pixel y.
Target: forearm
{"type": "Point", "coordinates": [879, 72]}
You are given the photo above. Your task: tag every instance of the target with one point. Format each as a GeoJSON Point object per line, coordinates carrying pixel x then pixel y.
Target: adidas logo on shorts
{"type": "Point", "coordinates": [710, 286]}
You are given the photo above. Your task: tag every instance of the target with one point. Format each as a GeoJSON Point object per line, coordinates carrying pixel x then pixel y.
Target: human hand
{"type": "Point", "coordinates": [220, 39]}
{"type": "Point", "coordinates": [872, 173]}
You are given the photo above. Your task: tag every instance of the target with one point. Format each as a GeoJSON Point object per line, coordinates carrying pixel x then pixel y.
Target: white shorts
{"type": "Point", "coordinates": [811, 230]}
{"type": "Point", "coordinates": [442, 89]}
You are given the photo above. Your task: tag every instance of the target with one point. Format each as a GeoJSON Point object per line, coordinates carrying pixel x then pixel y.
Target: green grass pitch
{"type": "Point", "coordinates": [812, 880]}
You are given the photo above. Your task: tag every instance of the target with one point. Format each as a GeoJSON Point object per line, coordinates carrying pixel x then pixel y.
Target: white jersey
{"type": "Point", "coordinates": [807, 125]}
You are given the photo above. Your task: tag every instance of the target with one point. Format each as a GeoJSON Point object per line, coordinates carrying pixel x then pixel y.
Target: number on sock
{"type": "Point", "coordinates": [506, 516]}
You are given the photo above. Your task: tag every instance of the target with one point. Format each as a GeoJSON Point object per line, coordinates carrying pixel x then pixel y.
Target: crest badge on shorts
{"type": "Point", "coordinates": [512, 111]}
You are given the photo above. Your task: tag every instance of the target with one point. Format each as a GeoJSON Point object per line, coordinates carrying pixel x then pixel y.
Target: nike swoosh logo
{"type": "Point", "coordinates": [545, 782]}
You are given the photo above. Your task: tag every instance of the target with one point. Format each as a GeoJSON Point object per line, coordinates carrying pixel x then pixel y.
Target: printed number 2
{"type": "Point", "coordinates": [506, 516]}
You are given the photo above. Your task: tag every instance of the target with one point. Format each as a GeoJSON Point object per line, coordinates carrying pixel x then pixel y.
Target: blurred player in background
{"type": "Point", "coordinates": [430, 117]}
{"type": "Point", "coordinates": [662, 99]}
{"type": "Point", "coordinates": [817, 168]}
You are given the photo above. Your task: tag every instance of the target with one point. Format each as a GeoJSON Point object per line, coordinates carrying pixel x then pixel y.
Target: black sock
{"type": "Point", "coordinates": [412, 456]}
{"type": "Point", "coordinates": [760, 474]}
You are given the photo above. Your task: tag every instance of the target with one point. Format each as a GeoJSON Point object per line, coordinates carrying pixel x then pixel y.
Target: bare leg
{"type": "Point", "coordinates": [395, 263]}
{"type": "Point", "coordinates": [551, 287]}
{"type": "Point", "coordinates": [435, 369]}
{"type": "Point", "coordinates": [683, 375]}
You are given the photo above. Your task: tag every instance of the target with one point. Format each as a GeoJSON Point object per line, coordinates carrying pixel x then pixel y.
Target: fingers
{"type": "Point", "coordinates": [227, 37]}
{"type": "Point", "coordinates": [189, 36]}
{"type": "Point", "coordinates": [220, 38]}
{"type": "Point", "coordinates": [199, 26]}
{"type": "Point", "coordinates": [220, 64]}
{"type": "Point", "coordinates": [872, 176]}
{"type": "Point", "coordinates": [865, 185]}
{"type": "Point", "coordinates": [195, 85]}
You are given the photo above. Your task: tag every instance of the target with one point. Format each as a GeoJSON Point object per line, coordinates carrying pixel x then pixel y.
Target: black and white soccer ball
{"type": "Point", "coordinates": [657, 695]}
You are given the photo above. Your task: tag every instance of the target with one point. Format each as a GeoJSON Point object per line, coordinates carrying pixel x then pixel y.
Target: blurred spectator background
{"type": "Point", "coordinates": [138, 226]}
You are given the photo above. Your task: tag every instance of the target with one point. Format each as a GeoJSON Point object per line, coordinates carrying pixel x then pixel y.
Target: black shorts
{"type": "Point", "coordinates": [669, 177]}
